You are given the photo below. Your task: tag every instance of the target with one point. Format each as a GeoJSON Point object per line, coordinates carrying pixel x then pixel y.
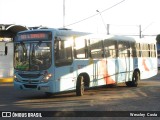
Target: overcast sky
{"type": "Point", "coordinates": [124, 18]}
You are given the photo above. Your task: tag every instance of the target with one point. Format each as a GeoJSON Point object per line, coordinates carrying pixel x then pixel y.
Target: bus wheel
{"type": "Point", "coordinates": [48, 94]}
{"type": "Point", "coordinates": [135, 79]}
{"type": "Point", "coordinates": [80, 86]}
{"type": "Point", "coordinates": [129, 84]}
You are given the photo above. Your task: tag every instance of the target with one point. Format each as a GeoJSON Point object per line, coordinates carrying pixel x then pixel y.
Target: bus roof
{"type": "Point", "coordinates": [68, 32]}
{"type": "Point", "coordinates": [120, 38]}
{"type": "Point", "coordinates": [59, 32]}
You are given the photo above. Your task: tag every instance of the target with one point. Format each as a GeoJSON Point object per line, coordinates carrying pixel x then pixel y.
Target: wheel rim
{"type": "Point", "coordinates": [82, 87]}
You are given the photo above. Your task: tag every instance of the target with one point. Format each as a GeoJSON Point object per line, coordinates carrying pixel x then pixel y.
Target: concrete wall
{"type": "Point", "coordinates": [6, 61]}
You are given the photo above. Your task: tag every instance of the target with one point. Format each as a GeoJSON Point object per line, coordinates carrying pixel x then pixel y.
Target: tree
{"type": "Point", "coordinates": [158, 38]}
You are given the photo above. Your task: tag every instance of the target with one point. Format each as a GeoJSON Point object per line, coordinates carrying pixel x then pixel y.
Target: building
{"type": "Point", "coordinates": [7, 35]}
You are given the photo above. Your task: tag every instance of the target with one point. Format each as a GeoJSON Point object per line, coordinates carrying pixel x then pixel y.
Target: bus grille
{"type": "Point", "coordinates": [34, 76]}
{"type": "Point", "coordinates": [31, 81]}
{"type": "Point", "coordinates": [30, 86]}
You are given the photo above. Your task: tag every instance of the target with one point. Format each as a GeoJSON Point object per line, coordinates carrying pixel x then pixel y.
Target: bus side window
{"type": "Point", "coordinates": [138, 50]}
{"type": "Point", "coordinates": [80, 50]}
{"type": "Point", "coordinates": [154, 50]}
{"type": "Point", "coordinates": [142, 49]}
{"type": "Point", "coordinates": [133, 49]}
{"type": "Point", "coordinates": [145, 50]}
{"type": "Point", "coordinates": [123, 47]}
{"type": "Point", "coordinates": [110, 48]}
{"type": "Point", "coordinates": [149, 50]}
{"type": "Point", "coordinates": [62, 52]}
{"type": "Point", "coordinates": [96, 47]}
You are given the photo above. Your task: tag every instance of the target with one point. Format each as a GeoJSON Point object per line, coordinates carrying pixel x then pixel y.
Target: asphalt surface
{"type": "Point", "coordinates": [145, 97]}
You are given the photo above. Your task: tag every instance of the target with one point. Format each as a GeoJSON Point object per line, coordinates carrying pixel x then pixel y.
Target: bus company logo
{"type": "Point", "coordinates": [6, 114]}
{"type": "Point", "coordinates": [29, 81]}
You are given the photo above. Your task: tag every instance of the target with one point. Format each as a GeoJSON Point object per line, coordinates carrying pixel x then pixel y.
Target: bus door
{"type": "Point", "coordinates": [63, 65]}
{"type": "Point", "coordinates": [110, 46]}
{"type": "Point", "coordinates": [123, 61]}
{"type": "Point", "coordinates": [135, 52]}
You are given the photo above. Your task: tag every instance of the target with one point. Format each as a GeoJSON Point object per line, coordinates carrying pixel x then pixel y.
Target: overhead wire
{"type": "Point", "coordinates": [95, 14]}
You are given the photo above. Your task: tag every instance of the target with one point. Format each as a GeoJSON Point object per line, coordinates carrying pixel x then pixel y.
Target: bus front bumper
{"type": "Point", "coordinates": [45, 87]}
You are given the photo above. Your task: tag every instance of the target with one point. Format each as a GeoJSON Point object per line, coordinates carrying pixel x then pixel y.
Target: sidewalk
{"type": "Point", "coordinates": [5, 80]}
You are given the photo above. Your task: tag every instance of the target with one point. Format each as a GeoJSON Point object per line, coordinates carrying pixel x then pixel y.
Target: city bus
{"type": "Point", "coordinates": [59, 60]}
{"type": "Point", "coordinates": [158, 54]}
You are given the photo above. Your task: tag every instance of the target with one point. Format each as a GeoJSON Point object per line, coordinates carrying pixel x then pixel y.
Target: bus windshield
{"type": "Point", "coordinates": [32, 56]}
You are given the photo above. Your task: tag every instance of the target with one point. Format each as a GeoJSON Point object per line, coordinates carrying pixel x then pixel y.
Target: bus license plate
{"type": "Point", "coordinates": [45, 88]}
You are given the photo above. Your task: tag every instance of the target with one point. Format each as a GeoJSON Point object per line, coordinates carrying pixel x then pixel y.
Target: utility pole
{"type": "Point", "coordinates": [140, 31]}
{"type": "Point", "coordinates": [63, 13]}
{"type": "Point", "coordinates": [106, 27]}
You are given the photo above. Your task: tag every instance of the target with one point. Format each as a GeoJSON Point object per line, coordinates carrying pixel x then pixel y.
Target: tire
{"type": "Point", "coordinates": [129, 84]}
{"type": "Point", "coordinates": [80, 86]}
{"type": "Point", "coordinates": [135, 80]}
{"type": "Point", "coordinates": [48, 94]}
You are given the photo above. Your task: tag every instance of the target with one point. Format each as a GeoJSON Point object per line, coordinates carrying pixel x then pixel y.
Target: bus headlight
{"type": "Point", "coordinates": [16, 79]}
{"type": "Point", "coordinates": [47, 77]}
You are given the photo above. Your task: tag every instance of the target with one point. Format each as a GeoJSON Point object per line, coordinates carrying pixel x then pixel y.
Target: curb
{"type": "Point", "coordinates": [5, 80]}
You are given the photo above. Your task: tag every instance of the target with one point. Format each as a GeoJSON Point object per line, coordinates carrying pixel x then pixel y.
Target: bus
{"type": "Point", "coordinates": [158, 54]}
{"type": "Point", "coordinates": [59, 60]}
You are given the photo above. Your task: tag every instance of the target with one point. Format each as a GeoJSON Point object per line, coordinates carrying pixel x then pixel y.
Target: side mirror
{"type": "Point", "coordinates": [6, 50]}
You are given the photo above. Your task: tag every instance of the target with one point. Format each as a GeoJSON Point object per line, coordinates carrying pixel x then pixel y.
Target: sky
{"type": "Point", "coordinates": [123, 18]}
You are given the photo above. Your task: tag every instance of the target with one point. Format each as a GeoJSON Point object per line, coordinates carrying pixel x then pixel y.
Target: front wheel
{"type": "Point", "coordinates": [48, 94]}
{"type": "Point", "coordinates": [80, 86]}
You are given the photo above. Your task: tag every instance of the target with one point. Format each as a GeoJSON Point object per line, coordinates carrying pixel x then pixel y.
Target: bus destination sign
{"type": "Point", "coordinates": [34, 36]}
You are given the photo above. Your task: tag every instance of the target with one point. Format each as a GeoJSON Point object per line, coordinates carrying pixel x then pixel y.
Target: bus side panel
{"type": "Point", "coordinates": [122, 64]}
{"type": "Point", "coordinates": [131, 68]}
{"type": "Point", "coordinates": [89, 67]}
{"type": "Point", "coordinates": [104, 72]}
{"type": "Point", "coordinates": [111, 71]}
{"type": "Point", "coordinates": [64, 78]}
{"type": "Point", "coordinates": [159, 62]}
{"type": "Point", "coordinates": [158, 54]}
{"type": "Point", "coordinates": [148, 67]}
{"type": "Point", "coordinates": [101, 72]}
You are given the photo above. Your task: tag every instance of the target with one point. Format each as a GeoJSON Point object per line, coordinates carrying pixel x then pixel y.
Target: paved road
{"type": "Point", "coordinates": [145, 97]}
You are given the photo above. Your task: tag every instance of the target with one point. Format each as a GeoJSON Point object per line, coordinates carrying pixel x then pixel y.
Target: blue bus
{"type": "Point", "coordinates": [58, 60]}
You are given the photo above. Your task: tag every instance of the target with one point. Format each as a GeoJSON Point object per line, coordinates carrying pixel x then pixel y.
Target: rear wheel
{"type": "Point", "coordinates": [135, 80]}
{"type": "Point", "coordinates": [80, 86]}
